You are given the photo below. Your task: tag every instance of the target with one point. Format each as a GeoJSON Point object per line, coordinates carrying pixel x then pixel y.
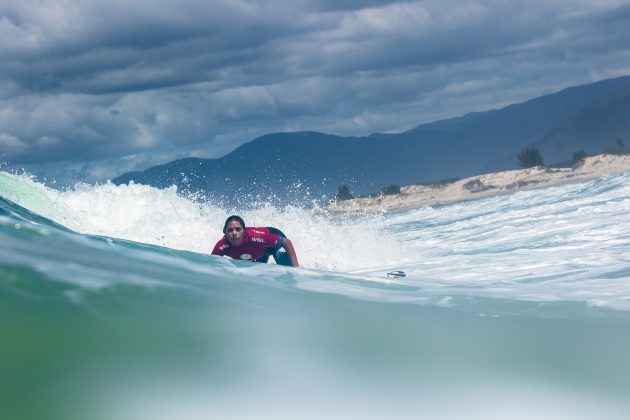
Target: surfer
{"type": "Point", "coordinates": [255, 243]}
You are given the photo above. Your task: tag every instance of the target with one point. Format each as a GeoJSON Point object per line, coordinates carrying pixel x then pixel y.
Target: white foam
{"type": "Point", "coordinates": [162, 217]}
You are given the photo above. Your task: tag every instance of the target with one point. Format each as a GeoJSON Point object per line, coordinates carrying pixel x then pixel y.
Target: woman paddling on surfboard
{"type": "Point", "coordinates": [255, 244]}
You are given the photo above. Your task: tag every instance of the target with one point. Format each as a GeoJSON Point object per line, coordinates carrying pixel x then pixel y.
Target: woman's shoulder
{"type": "Point", "coordinates": [254, 231]}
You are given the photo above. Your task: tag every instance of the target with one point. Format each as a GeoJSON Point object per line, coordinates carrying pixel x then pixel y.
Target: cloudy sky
{"type": "Point", "coordinates": [92, 88]}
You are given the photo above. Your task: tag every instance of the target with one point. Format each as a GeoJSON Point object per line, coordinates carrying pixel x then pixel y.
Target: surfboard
{"type": "Point", "coordinates": [396, 274]}
{"type": "Point", "coordinates": [383, 272]}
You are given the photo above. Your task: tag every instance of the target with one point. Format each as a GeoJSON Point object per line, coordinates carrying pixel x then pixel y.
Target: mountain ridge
{"type": "Point", "coordinates": [587, 118]}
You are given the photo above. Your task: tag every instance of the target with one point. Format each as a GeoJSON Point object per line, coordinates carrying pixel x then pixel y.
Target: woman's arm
{"type": "Point", "coordinates": [288, 245]}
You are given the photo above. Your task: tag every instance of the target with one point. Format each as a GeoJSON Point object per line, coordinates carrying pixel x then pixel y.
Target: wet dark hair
{"type": "Point", "coordinates": [233, 218]}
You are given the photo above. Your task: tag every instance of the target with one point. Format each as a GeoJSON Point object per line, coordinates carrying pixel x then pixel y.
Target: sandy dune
{"type": "Point", "coordinates": [414, 196]}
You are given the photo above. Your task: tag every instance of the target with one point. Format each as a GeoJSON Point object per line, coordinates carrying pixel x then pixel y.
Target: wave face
{"type": "Point", "coordinates": [513, 307]}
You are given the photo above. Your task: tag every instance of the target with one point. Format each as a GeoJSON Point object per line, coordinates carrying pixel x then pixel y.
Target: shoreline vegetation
{"type": "Point", "coordinates": [486, 185]}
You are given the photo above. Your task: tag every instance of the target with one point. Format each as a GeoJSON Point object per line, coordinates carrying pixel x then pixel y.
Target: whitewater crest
{"type": "Point", "coordinates": [166, 218]}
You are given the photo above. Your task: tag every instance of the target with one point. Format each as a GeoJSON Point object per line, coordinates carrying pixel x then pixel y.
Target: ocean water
{"type": "Point", "coordinates": [514, 307]}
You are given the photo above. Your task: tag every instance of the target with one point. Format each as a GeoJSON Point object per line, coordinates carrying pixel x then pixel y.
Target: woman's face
{"type": "Point", "coordinates": [234, 233]}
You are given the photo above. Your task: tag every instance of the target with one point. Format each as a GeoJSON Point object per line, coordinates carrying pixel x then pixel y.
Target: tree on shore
{"type": "Point", "coordinates": [620, 145]}
{"type": "Point", "coordinates": [391, 190]}
{"type": "Point", "coordinates": [344, 193]}
{"type": "Point", "coordinates": [578, 156]}
{"type": "Point", "coordinates": [530, 157]}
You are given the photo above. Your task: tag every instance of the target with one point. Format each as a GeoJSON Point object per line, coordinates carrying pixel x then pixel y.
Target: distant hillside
{"type": "Point", "coordinates": [284, 165]}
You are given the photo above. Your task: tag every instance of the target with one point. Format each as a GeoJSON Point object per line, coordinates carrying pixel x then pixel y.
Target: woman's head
{"type": "Point", "coordinates": [234, 230]}
{"type": "Point", "coordinates": [233, 218]}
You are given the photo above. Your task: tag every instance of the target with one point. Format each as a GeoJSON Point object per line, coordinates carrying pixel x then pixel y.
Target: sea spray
{"type": "Point", "coordinates": [164, 217]}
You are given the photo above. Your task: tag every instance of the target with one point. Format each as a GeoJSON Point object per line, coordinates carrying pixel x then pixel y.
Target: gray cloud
{"type": "Point", "coordinates": [112, 86]}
